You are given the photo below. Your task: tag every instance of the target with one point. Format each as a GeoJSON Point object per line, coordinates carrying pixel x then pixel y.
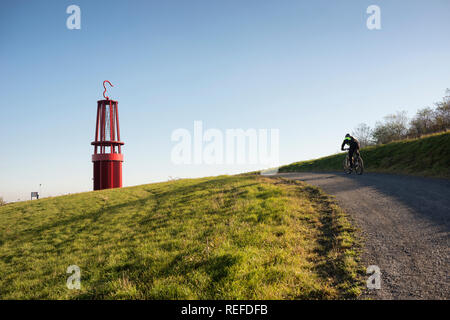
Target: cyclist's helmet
{"type": "Point", "coordinates": [347, 137]}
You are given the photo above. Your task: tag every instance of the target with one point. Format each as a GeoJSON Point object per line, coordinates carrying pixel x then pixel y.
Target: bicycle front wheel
{"type": "Point", "coordinates": [346, 165]}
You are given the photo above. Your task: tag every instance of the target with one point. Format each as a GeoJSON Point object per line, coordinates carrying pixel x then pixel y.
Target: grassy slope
{"type": "Point", "coordinates": [429, 156]}
{"type": "Point", "coordinates": [227, 237]}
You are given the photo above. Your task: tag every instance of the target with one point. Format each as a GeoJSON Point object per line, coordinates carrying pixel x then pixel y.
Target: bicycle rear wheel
{"type": "Point", "coordinates": [359, 168]}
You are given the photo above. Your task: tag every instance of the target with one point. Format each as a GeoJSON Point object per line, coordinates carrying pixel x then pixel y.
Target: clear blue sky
{"type": "Point", "coordinates": [308, 68]}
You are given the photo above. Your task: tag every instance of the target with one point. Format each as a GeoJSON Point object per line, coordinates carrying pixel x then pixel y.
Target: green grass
{"type": "Point", "coordinates": [428, 156]}
{"type": "Point", "coordinates": [227, 237]}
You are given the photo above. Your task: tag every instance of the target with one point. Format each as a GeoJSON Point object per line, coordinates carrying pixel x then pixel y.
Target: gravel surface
{"type": "Point", "coordinates": [405, 225]}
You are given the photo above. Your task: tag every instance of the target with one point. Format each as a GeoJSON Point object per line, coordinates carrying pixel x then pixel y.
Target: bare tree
{"type": "Point", "coordinates": [363, 133]}
{"type": "Point", "coordinates": [442, 113]}
{"type": "Point", "coordinates": [394, 127]}
{"type": "Point", "coordinates": [423, 123]}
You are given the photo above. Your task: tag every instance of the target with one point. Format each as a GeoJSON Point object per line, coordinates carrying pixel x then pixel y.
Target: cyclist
{"type": "Point", "coordinates": [353, 146]}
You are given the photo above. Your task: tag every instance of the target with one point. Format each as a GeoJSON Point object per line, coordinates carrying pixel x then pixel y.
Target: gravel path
{"type": "Point", "coordinates": [405, 223]}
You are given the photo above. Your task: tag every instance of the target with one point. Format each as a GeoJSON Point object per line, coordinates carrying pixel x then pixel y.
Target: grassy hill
{"type": "Point", "coordinates": [428, 156]}
{"type": "Point", "coordinates": [227, 237]}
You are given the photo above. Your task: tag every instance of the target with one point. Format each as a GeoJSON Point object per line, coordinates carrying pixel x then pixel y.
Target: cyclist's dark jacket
{"type": "Point", "coordinates": [353, 143]}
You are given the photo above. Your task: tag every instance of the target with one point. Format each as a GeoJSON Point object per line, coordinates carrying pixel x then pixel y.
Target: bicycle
{"type": "Point", "coordinates": [358, 163]}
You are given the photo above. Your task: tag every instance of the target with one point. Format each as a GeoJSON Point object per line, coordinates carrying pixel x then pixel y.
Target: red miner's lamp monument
{"type": "Point", "coordinates": [107, 157]}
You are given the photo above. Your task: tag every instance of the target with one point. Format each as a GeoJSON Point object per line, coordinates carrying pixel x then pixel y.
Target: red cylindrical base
{"type": "Point", "coordinates": [107, 170]}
